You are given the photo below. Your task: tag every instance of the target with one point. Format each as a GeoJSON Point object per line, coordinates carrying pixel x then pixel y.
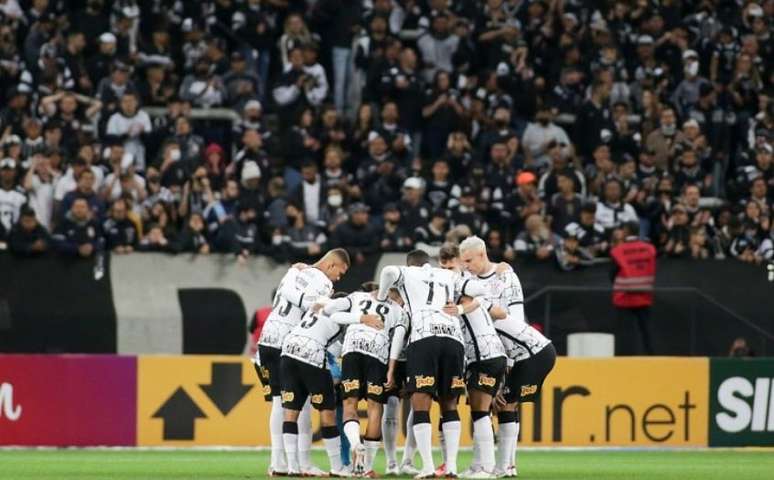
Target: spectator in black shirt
{"type": "Point", "coordinates": [565, 205]}
{"type": "Point", "coordinates": [676, 242]}
{"type": "Point", "coordinates": [395, 237]}
{"type": "Point", "coordinates": [240, 235]}
{"type": "Point", "coordinates": [78, 234]}
{"type": "Point", "coordinates": [293, 87]}
{"type": "Point", "coordinates": [570, 255]}
{"type": "Point", "coordinates": [440, 191]}
{"type": "Point", "coordinates": [591, 236]}
{"type": "Point", "coordinates": [442, 113]}
{"type": "Point", "coordinates": [689, 172]}
{"type": "Point", "coordinates": [559, 164]}
{"type": "Point", "coordinates": [398, 138]}
{"type": "Point", "coordinates": [76, 63]}
{"type": "Point", "coordinates": [240, 83]}
{"type": "Point", "coordinates": [432, 234]}
{"type": "Point", "coordinates": [120, 232]}
{"type": "Point", "coordinates": [466, 213]}
{"type": "Point", "coordinates": [84, 190]}
{"type": "Point", "coordinates": [28, 237]}
{"type": "Point", "coordinates": [93, 22]}
{"type": "Point", "coordinates": [593, 116]}
{"type": "Point", "coordinates": [358, 236]}
{"type": "Point", "coordinates": [415, 211]}
{"type": "Point", "coordinates": [405, 88]}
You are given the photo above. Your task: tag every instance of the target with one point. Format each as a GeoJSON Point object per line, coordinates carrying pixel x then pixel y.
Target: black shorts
{"type": "Point", "coordinates": [486, 375]}
{"type": "Point", "coordinates": [269, 371]}
{"type": "Point", "coordinates": [435, 365]}
{"type": "Point", "coordinates": [363, 376]}
{"type": "Point", "coordinates": [526, 377]}
{"type": "Point", "coordinates": [399, 380]}
{"type": "Point", "coordinates": [301, 380]}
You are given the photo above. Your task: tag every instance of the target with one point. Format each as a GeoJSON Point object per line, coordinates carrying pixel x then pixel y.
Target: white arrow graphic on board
{"type": "Point", "coordinates": [7, 407]}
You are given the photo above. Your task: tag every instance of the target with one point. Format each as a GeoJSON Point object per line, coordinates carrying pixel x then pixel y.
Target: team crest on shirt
{"type": "Point", "coordinates": [528, 390]}
{"type": "Point", "coordinates": [350, 385]}
{"type": "Point", "coordinates": [288, 396]}
{"type": "Point", "coordinates": [458, 382]}
{"type": "Point", "coordinates": [375, 389]}
{"type": "Point", "coordinates": [424, 381]}
{"type": "Point", "coordinates": [90, 232]}
{"type": "Point", "coordinates": [317, 398]}
{"type": "Point", "coordinates": [486, 380]}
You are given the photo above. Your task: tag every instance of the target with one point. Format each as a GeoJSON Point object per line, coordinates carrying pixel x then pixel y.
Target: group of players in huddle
{"type": "Point", "coordinates": [427, 332]}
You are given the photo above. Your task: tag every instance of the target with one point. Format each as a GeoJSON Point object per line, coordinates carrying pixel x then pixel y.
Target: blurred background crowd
{"type": "Point", "coordinates": [286, 127]}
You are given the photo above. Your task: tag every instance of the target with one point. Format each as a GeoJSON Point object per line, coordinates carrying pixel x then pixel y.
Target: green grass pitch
{"type": "Point", "coordinates": [547, 465]}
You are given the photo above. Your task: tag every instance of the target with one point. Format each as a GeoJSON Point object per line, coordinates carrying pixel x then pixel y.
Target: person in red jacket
{"type": "Point", "coordinates": [634, 274]}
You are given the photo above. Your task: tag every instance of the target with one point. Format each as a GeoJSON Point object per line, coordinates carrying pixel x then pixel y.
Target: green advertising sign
{"type": "Point", "coordinates": [741, 400]}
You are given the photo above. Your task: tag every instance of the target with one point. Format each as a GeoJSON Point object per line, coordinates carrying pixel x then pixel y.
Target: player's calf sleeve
{"type": "Point", "coordinates": [332, 442]}
{"type": "Point", "coordinates": [290, 440]}
{"type": "Point", "coordinates": [278, 460]}
{"type": "Point", "coordinates": [483, 441]}
{"type": "Point", "coordinates": [352, 432]}
{"type": "Point", "coordinates": [411, 445]}
{"type": "Point", "coordinates": [423, 433]}
{"type": "Point", "coordinates": [515, 438]}
{"type": "Point", "coordinates": [451, 428]}
{"type": "Point", "coordinates": [390, 429]}
{"type": "Point", "coordinates": [372, 448]}
{"type": "Point", "coordinates": [305, 436]}
{"type": "Point", "coordinates": [507, 431]}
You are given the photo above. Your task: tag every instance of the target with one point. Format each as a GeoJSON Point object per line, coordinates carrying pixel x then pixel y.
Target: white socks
{"type": "Point", "coordinates": [305, 436]}
{"type": "Point", "coordinates": [390, 429]}
{"type": "Point", "coordinates": [423, 432]}
{"type": "Point", "coordinates": [372, 448]}
{"type": "Point", "coordinates": [352, 432]}
{"type": "Point", "coordinates": [290, 440]}
{"type": "Point", "coordinates": [483, 444]}
{"type": "Point", "coordinates": [278, 461]}
{"type": "Point", "coordinates": [333, 448]}
{"type": "Point", "coordinates": [451, 434]}
{"type": "Point", "coordinates": [411, 445]}
{"type": "Point", "coordinates": [506, 446]}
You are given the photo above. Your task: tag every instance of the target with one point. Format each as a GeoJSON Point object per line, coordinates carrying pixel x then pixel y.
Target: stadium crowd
{"type": "Point", "coordinates": [381, 125]}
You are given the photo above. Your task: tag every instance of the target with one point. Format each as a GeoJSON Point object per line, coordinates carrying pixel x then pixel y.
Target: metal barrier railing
{"type": "Point", "coordinates": [548, 290]}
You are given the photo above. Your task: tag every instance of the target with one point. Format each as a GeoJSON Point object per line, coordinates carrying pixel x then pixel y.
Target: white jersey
{"type": "Point", "coordinates": [481, 339]}
{"type": "Point", "coordinates": [11, 202]}
{"type": "Point", "coordinates": [520, 340]}
{"type": "Point", "coordinates": [309, 340]}
{"type": "Point", "coordinates": [367, 340]}
{"type": "Point", "coordinates": [298, 290]}
{"type": "Point", "coordinates": [425, 291]}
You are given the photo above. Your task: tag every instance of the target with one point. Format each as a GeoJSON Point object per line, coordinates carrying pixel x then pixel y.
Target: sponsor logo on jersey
{"type": "Point", "coordinates": [528, 390]}
{"type": "Point", "coordinates": [288, 396]}
{"type": "Point", "coordinates": [375, 389]}
{"type": "Point", "coordinates": [441, 329]}
{"type": "Point", "coordinates": [423, 381]}
{"type": "Point", "coordinates": [317, 398]}
{"type": "Point", "coordinates": [457, 382]}
{"type": "Point", "coordinates": [486, 380]}
{"type": "Point", "coordinates": [350, 385]}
